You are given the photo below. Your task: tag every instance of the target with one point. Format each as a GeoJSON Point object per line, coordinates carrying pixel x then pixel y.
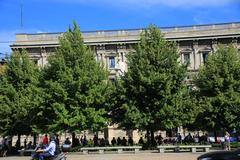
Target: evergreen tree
{"type": "Point", "coordinates": [76, 86]}
{"type": "Point", "coordinates": [19, 95]}
{"type": "Point", "coordinates": [218, 84]}
{"type": "Point", "coordinates": [150, 95]}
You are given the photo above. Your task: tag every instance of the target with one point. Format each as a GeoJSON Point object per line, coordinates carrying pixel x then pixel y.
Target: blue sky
{"type": "Point", "coordinates": [56, 15]}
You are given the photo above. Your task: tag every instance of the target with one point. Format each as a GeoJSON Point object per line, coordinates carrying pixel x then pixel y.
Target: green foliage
{"type": "Point", "coordinates": [218, 82]}
{"type": "Point", "coordinates": [19, 95]}
{"type": "Point", "coordinates": [76, 86]}
{"type": "Point", "coordinates": [150, 95]}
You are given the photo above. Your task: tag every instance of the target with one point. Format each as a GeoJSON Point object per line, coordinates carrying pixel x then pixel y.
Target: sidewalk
{"type": "Point", "coordinates": [130, 156]}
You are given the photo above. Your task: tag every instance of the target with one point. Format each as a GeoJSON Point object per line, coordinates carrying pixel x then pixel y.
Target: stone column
{"type": "Point", "coordinates": [196, 56]}
{"type": "Point", "coordinates": [106, 61]}
{"type": "Point", "coordinates": [192, 60]}
{"type": "Point", "coordinates": [214, 45]}
{"type": "Point", "coordinates": [121, 50]}
{"type": "Point", "coordinates": [100, 51]}
{"type": "Point", "coordinates": [179, 51]}
{"type": "Point", "coordinates": [119, 58]}
{"type": "Point", "coordinates": [97, 57]}
{"type": "Point", "coordinates": [43, 57]}
{"type": "Point", "coordinates": [101, 57]}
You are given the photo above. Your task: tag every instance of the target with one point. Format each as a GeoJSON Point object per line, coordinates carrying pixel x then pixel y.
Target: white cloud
{"type": "Point", "coordinates": [149, 3]}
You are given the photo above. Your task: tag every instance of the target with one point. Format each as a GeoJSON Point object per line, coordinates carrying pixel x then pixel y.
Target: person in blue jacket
{"type": "Point", "coordinates": [49, 151]}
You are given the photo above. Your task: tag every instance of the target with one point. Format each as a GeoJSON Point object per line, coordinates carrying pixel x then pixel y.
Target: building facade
{"type": "Point", "coordinates": [2, 65]}
{"type": "Point", "coordinates": [194, 44]}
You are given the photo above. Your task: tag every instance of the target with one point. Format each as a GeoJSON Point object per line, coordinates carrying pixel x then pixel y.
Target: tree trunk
{"type": "Point", "coordinates": [73, 139]}
{"type": "Point", "coordinates": [18, 143]}
{"type": "Point", "coordinates": [148, 137]}
{"type": "Point", "coordinates": [34, 139]}
{"type": "Point", "coordinates": [215, 135]}
{"type": "Point", "coordinates": [152, 138]}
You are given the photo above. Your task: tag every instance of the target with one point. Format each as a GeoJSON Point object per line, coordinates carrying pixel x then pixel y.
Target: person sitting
{"type": "Point", "coordinates": [113, 141]}
{"type": "Point", "coordinates": [106, 141]}
{"type": "Point", "coordinates": [188, 139]}
{"type": "Point", "coordinates": [102, 142]}
{"type": "Point", "coordinates": [141, 142]}
{"type": "Point", "coordinates": [49, 151]}
{"type": "Point", "coordinates": [67, 141]}
{"type": "Point", "coordinates": [95, 140]}
{"type": "Point", "coordinates": [67, 145]}
{"type": "Point", "coordinates": [85, 141]}
{"type": "Point", "coordinates": [45, 140]}
{"type": "Point", "coordinates": [124, 141]}
{"type": "Point", "coordinates": [29, 145]}
{"type": "Point", "coordinates": [130, 141]}
{"type": "Point", "coordinates": [179, 138]}
{"type": "Point", "coordinates": [119, 141]}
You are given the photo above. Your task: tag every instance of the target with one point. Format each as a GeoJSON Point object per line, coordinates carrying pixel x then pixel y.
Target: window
{"type": "Point", "coordinates": [97, 57]}
{"type": "Point", "coordinates": [111, 62]}
{"type": "Point", "coordinates": [186, 57]}
{"type": "Point", "coordinates": [205, 57]}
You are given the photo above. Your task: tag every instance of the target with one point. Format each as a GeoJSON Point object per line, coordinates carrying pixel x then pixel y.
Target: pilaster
{"type": "Point", "coordinates": [100, 51]}
{"type": "Point", "coordinates": [179, 51]}
{"type": "Point", "coordinates": [196, 55]}
{"type": "Point", "coordinates": [214, 45]}
{"type": "Point", "coordinates": [43, 57]}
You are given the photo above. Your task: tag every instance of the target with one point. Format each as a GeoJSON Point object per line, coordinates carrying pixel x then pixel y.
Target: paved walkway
{"type": "Point", "coordinates": [130, 156]}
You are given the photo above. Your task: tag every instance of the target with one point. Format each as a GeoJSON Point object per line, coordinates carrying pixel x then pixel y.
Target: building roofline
{"type": "Point", "coordinates": [172, 27]}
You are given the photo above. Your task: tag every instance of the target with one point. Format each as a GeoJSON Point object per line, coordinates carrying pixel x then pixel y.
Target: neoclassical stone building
{"type": "Point", "coordinates": [194, 43]}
